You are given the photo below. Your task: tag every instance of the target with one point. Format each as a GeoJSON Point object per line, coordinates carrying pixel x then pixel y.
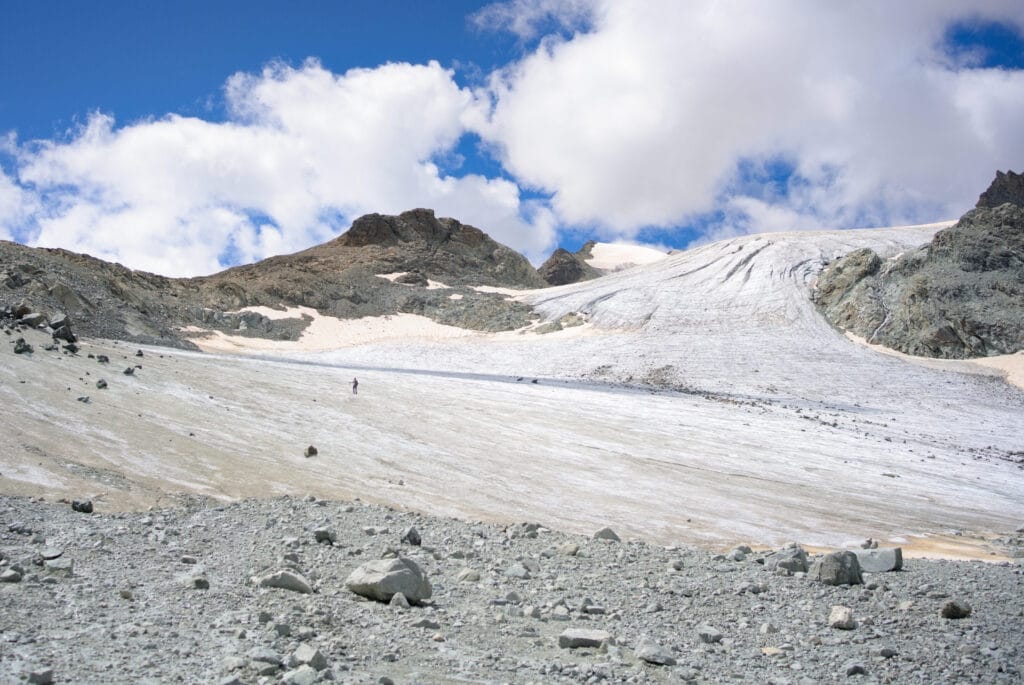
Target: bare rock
{"type": "Point", "coordinates": [382, 578]}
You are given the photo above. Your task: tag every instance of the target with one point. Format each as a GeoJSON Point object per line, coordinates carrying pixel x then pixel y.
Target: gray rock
{"type": "Point", "coordinates": [708, 634]}
{"type": "Point", "coordinates": [956, 609]}
{"type": "Point", "coordinates": [285, 580]}
{"type": "Point", "coordinates": [22, 347]}
{"type": "Point", "coordinates": [82, 505]}
{"type": "Point", "coordinates": [569, 549]}
{"type": "Point", "coordinates": [303, 675]}
{"type": "Point", "coordinates": [399, 601]}
{"type": "Point", "coordinates": [880, 560]}
{"type": "Point", "coordinates": [310, 451]}
{"type": "Point", "coordinates": [311, 656]}
{"type": "Point", "coordinates": [265, 655]}
{"type": "Point", "coordinates": [59, 567]}
{"type": "Point", "coordinates": [606, 534]}
{"type": "Point", "coordinates": [101, 384]}
{"type": "Point", "coordinates": [650, 651]}
{"type": "Point", "coordinates": [382, 578]}
{"type": "Point", "coordinates": [792, 559]}
{"type": "Point", "coordinates": [518, 571]}
{"type": "Point", "coordinates": [574, 638]}
{"type": "Point", "coordinates": [468, 575]}
{"type": "Point", "coordinates": [10, 576]}
{"type": "Point", "coordinates": [41, 676]}
{"type": "Point", "coordinates": [853, 668]}
{"type": "Point", "coordinates": [837, 568]}
{"type": "Point", "coordinates": [841, 618]}
{"type": "Point", "coordinates": [325, 536]}
{"type": "Point", "coordinates": [411, 536]}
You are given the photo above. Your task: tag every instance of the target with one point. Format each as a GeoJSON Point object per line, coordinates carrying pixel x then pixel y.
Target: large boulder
{"type": "Point", "coordinates": [837, 568]}
{"type": "Point", "coordinates": [792, 559]}
{"type": "Point", "coordinates": [383, 578]}
{"type": "Point", "coordinates": [880, 560]}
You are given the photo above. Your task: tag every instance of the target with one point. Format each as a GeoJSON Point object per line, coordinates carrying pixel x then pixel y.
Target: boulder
{"type": "Point", "coordinates": [382, 578]}
{"type": "Point", "coordinates": [606, 534]}
{"type": "Point", "coordinates": [22, 347]}
{"type": "Point", "coordinates": [708, 634]}
{"type": "Point", "coordinates": [33, 320]}
{"type": "Point", "coordinates": [83, 505]}
{"type": "Point", "coordinates": [311, 656]}
{"type": "Point", "coordinates": [837, 568]}
{"type": "Point", "coordinates": [575, 638]}
{"type": "Point", "coordinates": [881, 560]}
{"type": "Point", "coordinates": [792, 559]}
{"type": "Point", "coordinates": [310, 451]}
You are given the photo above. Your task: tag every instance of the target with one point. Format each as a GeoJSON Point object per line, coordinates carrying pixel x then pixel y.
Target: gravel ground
{"type": "Point", "coordinates": [128, 610]}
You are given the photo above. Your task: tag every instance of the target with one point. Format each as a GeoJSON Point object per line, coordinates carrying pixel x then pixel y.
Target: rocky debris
{"type": "Point", "coordinates": [564, 267]}
{"type": "Point", "coordinates": [496, 629]}
{"type": "Point", "coordinates": [576, 638]}
{"type": "Point", "coordinates": [880, 560]}
{"type": "Point", "coordinates": [310, 451]}
{"type": "Point", "coordinates": [83, 506]}
{"type": "Point", "coordinates": [382, 578]}
{"type": "Point", "coordinates": [841, 618]}
{"type": "Point", "coordinates": [959, 296]}
{"type": "Point", "coordinates": [285, 580]}
{"type": "Point", "coordinates": [837, 568]}
{"type": "Point", "coordinates": [22, 347]}
{"type": "Point", "coordinates": [955, 609]}
{"type": "Point", "coordinates": [101, 384]}
{"type": "Point", "coordinates": [606, 534]}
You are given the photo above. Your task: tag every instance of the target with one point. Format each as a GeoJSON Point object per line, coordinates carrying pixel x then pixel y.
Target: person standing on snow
{"type": "Point", "coordinates": [355, 386]}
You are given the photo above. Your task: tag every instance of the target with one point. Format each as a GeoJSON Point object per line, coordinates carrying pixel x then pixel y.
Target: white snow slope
{"type": "Point", "coordinates": [780, 427]}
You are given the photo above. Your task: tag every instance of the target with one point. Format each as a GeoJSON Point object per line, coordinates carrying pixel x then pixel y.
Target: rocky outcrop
{"type": "Point", "coordinates": [564, 267]}
{"type": "Point", "coordinates": [962, 295]}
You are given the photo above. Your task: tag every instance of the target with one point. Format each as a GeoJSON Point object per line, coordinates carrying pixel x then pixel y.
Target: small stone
{"type": "Point", "coordinates": [467, 575]}
{"type": "Point", "coordinates": [411, 536]}
{"type": "Point", "coordinates": [426, 623]}
{"type": "Point", "coordinates": [607, 534]}
{"type": "Point", "coordinates": [82, 505]}
{"type": "Point", "coordinates": [285, 580]}
{"type": "Point", "coordinates": [303, 675]}
{"type": "Point", "coordinates": [310, 655]}
{"type": "Point", "coordinates": [59, 567]}
{"type": "Point", "coordinates": [10, 576]}
{"type": "Point", "coordinates": [41, 676]}
{"type": "Point", "coordinates": [517, 571]}
{"type": "Point", "coordinates": [187, 559]}
{"type": "Point", "coordinates": [854, 668]}
{"type": "Point", "coordinates": [325, 536]}
{"type": "Point", "coordinates": [708, 634]}
{"type": "Point", "coordinates": [398, 601]}
{"type": "Point", "coordinates": [767, 629]}
{"type": "Point", "coordinates": [956, 609]}
{"type": "Point", "coordinates": [650, 651]}
{"type": "Point", "coordinates": [574, 638]}
{"type": "Point", "coordinates": [310, 451]}
{"type": "Point", "coordinates": [841, 618]}
{"type": "Point", "coordinates": [130, 371]}
{"type": "Point", "coordinates": [569, 549]}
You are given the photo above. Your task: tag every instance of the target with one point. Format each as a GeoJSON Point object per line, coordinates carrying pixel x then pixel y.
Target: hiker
{"type": "Point", "coordinates": [355, 386]}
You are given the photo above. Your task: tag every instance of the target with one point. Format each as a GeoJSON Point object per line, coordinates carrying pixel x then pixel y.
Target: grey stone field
{"type": "Point", "coordinates": [176, 595]}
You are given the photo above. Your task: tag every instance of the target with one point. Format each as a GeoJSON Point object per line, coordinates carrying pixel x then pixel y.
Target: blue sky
{"type": "Point", "coordinates": [185, 137]}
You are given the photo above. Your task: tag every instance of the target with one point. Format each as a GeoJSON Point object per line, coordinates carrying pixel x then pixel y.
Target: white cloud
{"type": "Point", "coordinates": [527, 18]}
{"type": "Point", "coordinates": [645, 119]}
{"type": "Point", "coordinates": [303, 146]}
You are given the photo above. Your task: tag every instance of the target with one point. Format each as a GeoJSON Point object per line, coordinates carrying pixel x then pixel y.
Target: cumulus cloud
{"type": "Point", "coordinates": [650, 117]}
{"type": "Point", "coordinates": [528, 18]}
{"type": "Point", "coordinates": [304, 152]}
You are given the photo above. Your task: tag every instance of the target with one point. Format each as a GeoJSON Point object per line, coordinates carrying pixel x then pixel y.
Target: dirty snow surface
{"type": "Point", "coordinates": [703, 401]}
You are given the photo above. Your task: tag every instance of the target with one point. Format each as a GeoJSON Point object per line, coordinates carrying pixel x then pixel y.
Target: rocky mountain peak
{"type": "Point", "coordinates": [413, 226]}
{"type": "Point", "coordinates": [1007, 187]}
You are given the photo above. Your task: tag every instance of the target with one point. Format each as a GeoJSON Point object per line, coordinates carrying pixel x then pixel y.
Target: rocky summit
{"type": "Point", "coordinates": [253, 591]}
{"type": "Point", "coordinates": [341, 278]}
{"type": "Point", "coordinates": [564, 267]}
{"type": "Point", "coordinates": [960, 296]}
